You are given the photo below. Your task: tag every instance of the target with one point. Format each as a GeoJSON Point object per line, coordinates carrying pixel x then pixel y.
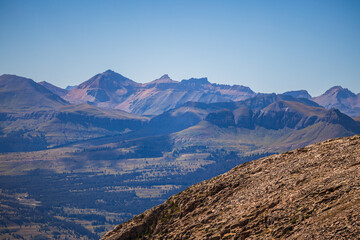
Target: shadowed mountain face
{"type": "Point", "coordinates": [268, 110]}
{"type": "Point", "coordinates": [296, 115]}
{"type": "Point", "coordinates": [41, 129]}
{"type": "Point", "coordinates": [18, 93]}
{"type": "Point", "coordinates": [342, 99]}
{"type": "Point", "coordinates": [111, 90]}
{"type": "Point", "coordinates": [278, 127]}
{"type": "Point", "coordinates": [267, 123]}
{"type": "Point", "coordinates": [309, 193]}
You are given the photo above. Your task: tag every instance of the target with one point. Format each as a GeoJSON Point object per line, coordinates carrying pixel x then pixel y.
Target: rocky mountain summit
{"type": "Point", "coordinates": [309, 193]}
{"type": "Point", "coordinates": [340, 98]}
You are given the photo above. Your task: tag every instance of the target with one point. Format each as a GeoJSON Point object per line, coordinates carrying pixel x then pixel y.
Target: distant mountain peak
{"type": "Point", "coordinates": [110, 76]}
{"type": "Point", "coordinates": [165, 76]}
{"type": "Point", "coordinates": [109, 71]}
{"type": "Point", "coordinates": [199, 81]}
{"type": "Point", "coordinates": [336, 88]}
{"type": "Point", "coordinates": [102, 87]}
{"type": "Point", "coordinates": [298, 94]}
{"type": "Point", "coordinates": [341, 98]}
{"type": "Point", "coordinates": [163, 79]}
{"type": "Point", "coordinates": [340, 92]}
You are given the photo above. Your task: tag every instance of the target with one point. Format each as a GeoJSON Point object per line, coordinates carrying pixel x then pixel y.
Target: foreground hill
{"type": "Point", "coordinates": [309, 193]}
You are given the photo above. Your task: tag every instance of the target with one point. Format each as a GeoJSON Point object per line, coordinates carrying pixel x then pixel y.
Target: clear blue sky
{"type": "Point", "coordinates": [270, 46]}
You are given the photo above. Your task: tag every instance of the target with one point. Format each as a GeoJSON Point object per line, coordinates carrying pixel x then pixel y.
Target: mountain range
{"type": "Point", "coordinates": [34, 117]}
{"type": "Point", "coordinates": [112, 148]}
{"type": "Point", "coordinates": [112, 90]}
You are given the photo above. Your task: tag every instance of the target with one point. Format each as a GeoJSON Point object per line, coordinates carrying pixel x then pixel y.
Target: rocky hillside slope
{"type": "Point", "coordinates": [308, 193]}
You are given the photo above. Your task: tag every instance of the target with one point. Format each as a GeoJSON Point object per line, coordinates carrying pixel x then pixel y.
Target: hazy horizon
{"type": "Point", "coordinates": [267, 46]}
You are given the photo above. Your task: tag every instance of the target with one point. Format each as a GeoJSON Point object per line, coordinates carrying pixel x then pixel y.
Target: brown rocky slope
{"type": "Point", "coordinates": [308, 193]}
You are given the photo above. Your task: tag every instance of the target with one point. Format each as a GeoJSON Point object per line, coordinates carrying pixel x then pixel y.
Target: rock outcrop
{"type": "Point", "coordinates": [308, 193]}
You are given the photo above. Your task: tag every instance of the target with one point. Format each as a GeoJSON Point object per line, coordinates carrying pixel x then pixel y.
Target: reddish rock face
{"type": "Point", "coordinates": [308, 193]}
{"type": "Point", "coordinates": [112, 90]}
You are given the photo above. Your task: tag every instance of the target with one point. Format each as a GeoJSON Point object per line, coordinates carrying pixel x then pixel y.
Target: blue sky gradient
{"type": "Point", "coordinates": [270, 46]}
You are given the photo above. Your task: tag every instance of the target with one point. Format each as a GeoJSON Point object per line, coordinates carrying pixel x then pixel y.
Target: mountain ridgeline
{"type": "Point", "coordinates": [112, 90]}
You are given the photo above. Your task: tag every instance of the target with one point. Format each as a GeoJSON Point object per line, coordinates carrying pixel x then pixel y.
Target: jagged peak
{"type": "Point", "coordinates": [109, 71]}
{"type": "Point", "coordinates": [165, 76]}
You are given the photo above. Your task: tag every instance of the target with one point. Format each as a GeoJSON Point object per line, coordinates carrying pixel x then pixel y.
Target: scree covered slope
{"type": "Point", "coordinates": [308, 193]}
